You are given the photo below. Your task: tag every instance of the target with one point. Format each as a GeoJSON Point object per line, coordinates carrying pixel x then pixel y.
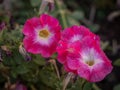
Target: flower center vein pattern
{"type": "Point", "coordinates": [90, 57]}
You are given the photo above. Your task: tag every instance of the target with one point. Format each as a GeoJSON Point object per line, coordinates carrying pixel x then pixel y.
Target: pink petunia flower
{"type": "Point", "coordinates": [77, 33]}
{"type": "Point", "coordinates": [70, 37]}
{"type": "Point", "coordinates": [84, 55]}
{"type": "Point", "coordinates": [41, 35]}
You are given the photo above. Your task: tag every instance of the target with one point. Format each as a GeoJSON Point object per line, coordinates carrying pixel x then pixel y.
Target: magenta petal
{"type": "Point", "coordinates": [73, 63]}
{"type": "Point", "coordinates": [31, 46]}
{"type": "Point", "coordinates": [44, 18]}
{"type": "Point", "coordinates": [47, 51]}
{"type": "Point", "coordinates": [30, 26]}
{"type": "Point", "coordinates": [62, 46]}
{"type": "Point", "coordinates": [62, 58]}
{"type": "Point", "coordinates": [95, 73]}
{"type": "Point", "coordinates": [67, 69]}
{"type": "Point", "coordinates": [62, 52]}
{"type": "Point", "coordinates": [76, 31]}
{"type": "Point", "coordinates": [99, 72]}
{"type": "Point", "coordinates": [36, 48]}
{"type": "Point", "coordinates": [49, 20]}
{"type": "Point", "coordinates": [84, 71]}
{"type": "Point", "coordinates": [54, 22]}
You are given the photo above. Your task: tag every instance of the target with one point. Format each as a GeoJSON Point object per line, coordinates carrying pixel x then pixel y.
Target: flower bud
{"type": "Point", "coordinates": [24, 53]}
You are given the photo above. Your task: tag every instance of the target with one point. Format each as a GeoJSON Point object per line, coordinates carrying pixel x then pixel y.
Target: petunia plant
{"type": "Point", "coordinates": [77, 48]}
{"type": "Point", "coordinates": [53, 56]}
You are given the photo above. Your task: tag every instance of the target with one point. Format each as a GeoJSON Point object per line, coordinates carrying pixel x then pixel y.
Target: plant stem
{"type": "Point", "coordinates": [55, 66]}
{"type": "Point", "coordinates": [57, 71]}
{"type": "Point", "coordinates": [83, 83]}
{"type": "Point", "coordinates": [62, 12]}
{"type": "Point", "coordinates": [92, 13]}
{"type": "Point", "coordinates": [42, 6]}
{"type": "Point", "coordinates": [67, 80]}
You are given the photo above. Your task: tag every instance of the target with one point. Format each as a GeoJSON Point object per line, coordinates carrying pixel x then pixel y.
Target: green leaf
{"type": "Point", "coordinates": [19, 70]}
{"type": "Point", "coordinates": [95, 87]}
{"type": "Point", "coordinates": [35, 2]}
{"type": "Point", "coordinates": [87, 86]}
{"type": "Point", "coordinates": [13, 60]}
{"type": "Point", "coordinates": [117, 62]}
{"type": "Point", "coordinates": [39, 60]}
{"type": "Point", "coordinates": [71, 21]}
{"type": "Point", "coordinates": [77, 85]}
{"type": "Point", "coordinates": [117, 87]}
{"type": "Point", "coordinates": [48, 76]}
{"type": "Point", "coordinates": [79, 15]}
{"type": "Point", "coordinates": [22, 69]}
{"type": "Point", "coordinates": [94, 27]}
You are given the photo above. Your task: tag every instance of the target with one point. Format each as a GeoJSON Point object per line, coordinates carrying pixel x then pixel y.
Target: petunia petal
{"type": "Point", "coordinates": [99, 72]}
{"type": "Point", "coordinates": [30, 26]}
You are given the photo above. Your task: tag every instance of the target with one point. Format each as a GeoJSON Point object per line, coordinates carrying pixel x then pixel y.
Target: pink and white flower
{"type": "Point", "coordinates": [83, 56]}
{"type": "Point", "coordinates": [41, 35]}
{"type": "Point", "coordinates": [70, 37]}
{"type": "Point", "coordinates": [77, 33]}
{"type": "Point", "coordinates": [90, 62]}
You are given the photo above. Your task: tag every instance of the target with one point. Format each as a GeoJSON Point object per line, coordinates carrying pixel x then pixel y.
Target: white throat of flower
{"type": "Point", "coordinates": [90, 57]}
{"type": "Point", "coordinates": [43, 36]}
{"type": "Point", "coordinates": [75, 38]}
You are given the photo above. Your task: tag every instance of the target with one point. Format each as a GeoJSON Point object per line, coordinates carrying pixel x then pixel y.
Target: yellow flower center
{"type": "Point", "coordinates": [90, 63]}
{"type": "Point", "coordinates": [44, 33]}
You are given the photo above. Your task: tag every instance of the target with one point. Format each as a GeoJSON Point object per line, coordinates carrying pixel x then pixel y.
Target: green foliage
{"type": "Point", "coordinates": [11, 37]}
{"type": "Point", "coordinates": [78, 15]}
{"type": "Point", "coordinates": [72, 21]}
{"type": "Point", "coordinates": [117, 62]}
{"type": "Point", "coordinates": [87, 86]}
{"type": "Point", "coordinates": [94, 27]}
{"type": "Point", "coordinates": [80, 84]}
{"type": "Point", "coordinates": [77, 85]}
{"type": "Point", "coordinates": [48, 77]}
{"type": "Point", "coordinates": [117, 87]}
{"type": "Point", "coordinates": [35, 2]}
{"type": "Point", "coordinates": [39, 60]}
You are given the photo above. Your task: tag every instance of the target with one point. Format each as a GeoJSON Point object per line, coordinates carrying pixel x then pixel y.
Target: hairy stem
{"type": "Point", "coordinates": [67, 80]}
